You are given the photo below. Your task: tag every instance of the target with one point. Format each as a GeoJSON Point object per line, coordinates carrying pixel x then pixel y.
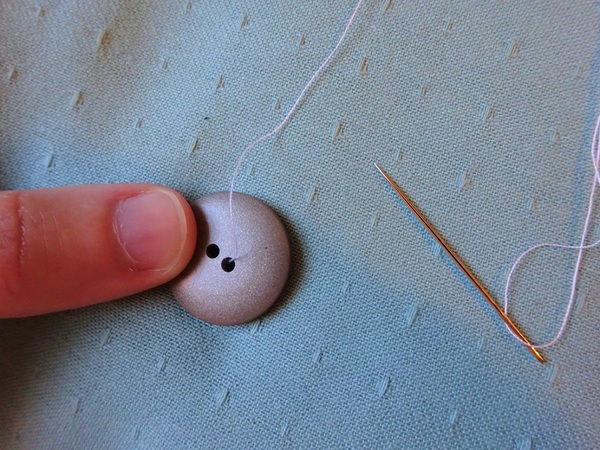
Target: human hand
{"type": "Point", "coordinates": [69, 247]}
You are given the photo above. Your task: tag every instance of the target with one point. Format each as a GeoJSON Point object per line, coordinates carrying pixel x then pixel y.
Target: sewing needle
{"type": "Point", "coordinates": [509, 323]}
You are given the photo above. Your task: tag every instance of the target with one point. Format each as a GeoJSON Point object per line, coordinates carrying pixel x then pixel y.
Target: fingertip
{"type": "Point", "coordinates": [79, 245]}
{"type": "Point", "coordinates": [157, 231]}
{"type": "Point", "coordinates": [184, 227]}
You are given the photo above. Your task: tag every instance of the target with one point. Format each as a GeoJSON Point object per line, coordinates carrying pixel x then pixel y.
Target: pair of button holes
{"type": "Point", "coordinates": [213, 250]}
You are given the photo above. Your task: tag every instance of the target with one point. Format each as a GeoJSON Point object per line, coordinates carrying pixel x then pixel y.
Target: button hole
{"type": "Point", "coordinates": [228, 264]}
{"type": "Point", "coordinates": [212, 251]}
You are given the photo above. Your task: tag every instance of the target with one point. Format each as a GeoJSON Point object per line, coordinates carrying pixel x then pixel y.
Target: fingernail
{"type": "Point", "coordinates": [151, 229]}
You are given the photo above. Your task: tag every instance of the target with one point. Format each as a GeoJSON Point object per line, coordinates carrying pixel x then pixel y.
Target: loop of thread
{"type": "Point", "coordinates": [285, 120]}
{"type": "Point", "coordinates": [581, 247]}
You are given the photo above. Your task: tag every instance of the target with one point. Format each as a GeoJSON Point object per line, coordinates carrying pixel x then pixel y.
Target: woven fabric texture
{"type": "Point", "coordinates": [482, 111]}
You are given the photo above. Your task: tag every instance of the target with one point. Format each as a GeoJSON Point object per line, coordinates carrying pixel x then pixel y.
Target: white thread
{"type": "Point", "coordinates": [581, 247]}
{"type": "Point", "coordinates": [283, 122]}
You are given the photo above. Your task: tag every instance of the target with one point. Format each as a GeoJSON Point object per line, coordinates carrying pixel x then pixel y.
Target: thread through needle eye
{"type": "Point", "coordinates": [509, 323]}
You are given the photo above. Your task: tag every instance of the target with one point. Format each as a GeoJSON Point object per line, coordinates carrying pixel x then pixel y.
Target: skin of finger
{"type": "Point", "coordinates": [59, 250]}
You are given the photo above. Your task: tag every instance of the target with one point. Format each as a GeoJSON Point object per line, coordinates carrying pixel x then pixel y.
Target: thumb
{"type": "Point", "coordinates": [68, 247]}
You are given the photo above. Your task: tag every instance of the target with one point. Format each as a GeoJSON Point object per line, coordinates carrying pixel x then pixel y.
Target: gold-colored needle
{"type": "Point", "coordinates": [462, 266]}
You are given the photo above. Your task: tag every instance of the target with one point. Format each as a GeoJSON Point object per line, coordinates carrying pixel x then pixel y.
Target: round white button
{"type": "Point", "coordinates": [234, 278]}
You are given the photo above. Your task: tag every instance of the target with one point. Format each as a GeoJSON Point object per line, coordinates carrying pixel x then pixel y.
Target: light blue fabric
{"type": "Point", "coordinates": [482, 111]}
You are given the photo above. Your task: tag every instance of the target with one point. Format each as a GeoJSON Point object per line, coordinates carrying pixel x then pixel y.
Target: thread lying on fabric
{"type": "Point", "coordinates": [581, 247]}
{"type": "Point", "coordinates": [285, 120]}
{"type": "Point", "coordinates": [595, 152]}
